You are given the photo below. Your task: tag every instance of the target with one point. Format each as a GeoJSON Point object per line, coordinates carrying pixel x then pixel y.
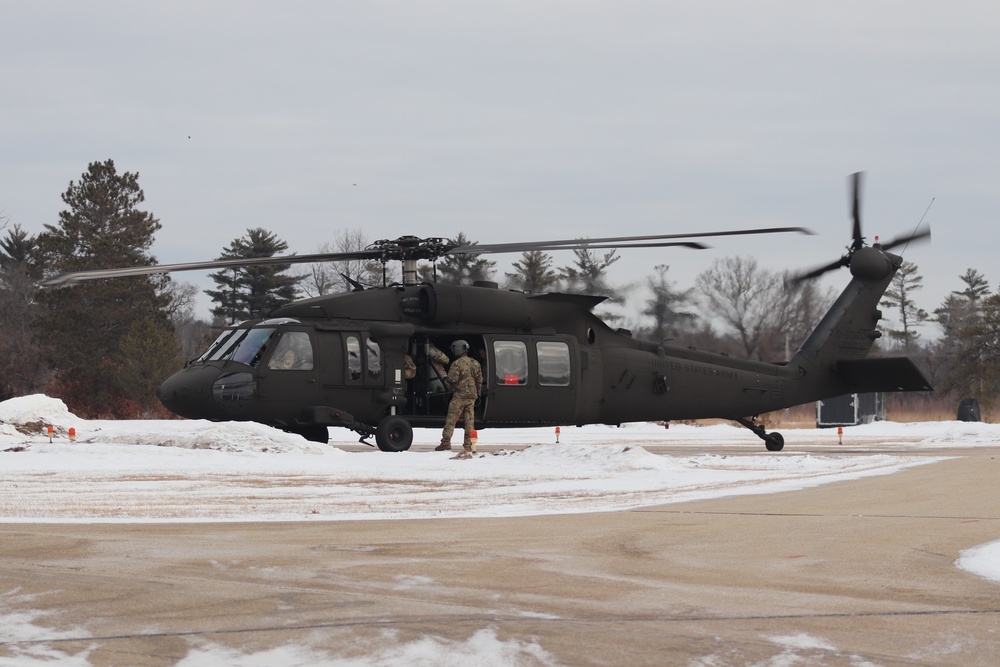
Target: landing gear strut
{"type": "Point", "coordinates": [773, 440]}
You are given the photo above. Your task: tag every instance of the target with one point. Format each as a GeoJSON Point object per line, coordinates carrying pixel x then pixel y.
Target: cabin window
{"type": "Point", "coordinates": [293, 352]}
{"type": "Point", "coordinates": [553, 363]}
{"type": "Point", "coordinates": [374, 360]}
{"type": "Point", "coordinates": [252, 347]}
{"type": "Point", "coordinates": [511, 362]}
{"type": "Point", "coordinates": [353, 358]}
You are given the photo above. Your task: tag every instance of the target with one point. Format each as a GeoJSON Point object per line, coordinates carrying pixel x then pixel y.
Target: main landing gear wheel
{"type": "Point", "coordinates": [774, 442]}
{"type": "Point", "coordinates": [394, 434]}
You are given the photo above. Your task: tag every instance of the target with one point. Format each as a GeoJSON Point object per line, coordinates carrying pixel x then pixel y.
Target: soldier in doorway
{"type": "Point", "coordinates": [438, 378]}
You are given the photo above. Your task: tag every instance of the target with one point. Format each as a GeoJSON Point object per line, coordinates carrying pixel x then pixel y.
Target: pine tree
{"type": "Point", "coordinates": [16, 248]}
{"type": "Point", "coordinates": [976, 371]}
{"type": "Point", "coordinates": [664, 307]}
{"type": "Point", "coordinates": [460, 269]}
{"type": "Point", "coordinates": [953, 315]}
{"type": "Point", "coordinates": [147, 356]}
{"type": "Point", "coordinates": [22, 369]}
{"type": "Point", "coordinates": [252, 291]}
{"type": "Point", "coordinates": [899, 297]}
{"type": "Point", "coordinates": [976, 286]}
{"type": "Point", "coordinates": [588, 274]}
{"type": "Point", "coordinates": [532, 273]}
{"type": "Point", "coordinates": [967, 367]}
{"type": "Point", "coordinates": [81, 328]}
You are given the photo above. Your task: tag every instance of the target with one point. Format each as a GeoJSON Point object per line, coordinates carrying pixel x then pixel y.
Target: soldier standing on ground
{"type": "Point", "coordinates": [466, 380]}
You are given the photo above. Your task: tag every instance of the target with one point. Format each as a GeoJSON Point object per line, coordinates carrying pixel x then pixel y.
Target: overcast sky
{"type": "Point", "coordinates": [518, 121]}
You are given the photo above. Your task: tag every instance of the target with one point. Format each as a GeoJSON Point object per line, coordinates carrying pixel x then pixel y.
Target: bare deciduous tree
{"type": "Point", "coordinates": [332, 277]}
{"type": "Point", "coordinates": [769, 315]}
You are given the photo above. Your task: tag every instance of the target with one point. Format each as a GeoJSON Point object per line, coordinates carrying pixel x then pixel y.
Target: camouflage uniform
{"type": "Point", "coordinates": [466, 379]}
{"type": "Point", "coordinates": [437, 379]}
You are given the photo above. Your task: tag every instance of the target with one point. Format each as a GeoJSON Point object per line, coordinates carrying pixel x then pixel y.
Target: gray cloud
{"type": "Point", "coordinates": [517, 120]}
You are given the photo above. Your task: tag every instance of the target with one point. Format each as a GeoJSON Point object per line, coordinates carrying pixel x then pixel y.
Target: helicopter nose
{"type": "Point", "coordinates": [188, 393]}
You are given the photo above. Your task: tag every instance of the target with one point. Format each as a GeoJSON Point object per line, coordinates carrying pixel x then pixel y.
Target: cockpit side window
{"type": "Point", "coordinates": [251, 348]}
{"type": "Point", "coordinates": [293, 352]}
{"type": "Point", "coordinates": [353, 358]}
{"type": "Point", "coordinates": [374, 360]}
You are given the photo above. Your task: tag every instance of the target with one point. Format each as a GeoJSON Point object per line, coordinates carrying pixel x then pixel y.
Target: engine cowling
{"type": "Point", "coordinates": [483, 306]}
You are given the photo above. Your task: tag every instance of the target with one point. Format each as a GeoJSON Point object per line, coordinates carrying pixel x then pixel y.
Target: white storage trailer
{"type": "Point", "coordinates": [850, 410]}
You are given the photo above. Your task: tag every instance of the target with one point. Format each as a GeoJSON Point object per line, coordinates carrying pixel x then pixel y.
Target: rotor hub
{"type": "Point", "coordinates": [870, 264]}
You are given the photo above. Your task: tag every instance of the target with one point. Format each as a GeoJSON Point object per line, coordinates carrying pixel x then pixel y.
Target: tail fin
{"type": "Point", "coordinates": [832, 360]}
{"type": "Point", "coordinates": [882, 374]}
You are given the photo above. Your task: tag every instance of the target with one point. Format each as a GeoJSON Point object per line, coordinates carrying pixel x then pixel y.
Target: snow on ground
{"type": "Point", "coordinates": [167, 470]}
{"type": "Point", "coordinates": [982, 561]}
{"type": "Point", "coordinates": [177, 470]}
{"type": "Point", "coordinates": [30, 644]}
{"type": "Point", "coordinates": [174, 470]}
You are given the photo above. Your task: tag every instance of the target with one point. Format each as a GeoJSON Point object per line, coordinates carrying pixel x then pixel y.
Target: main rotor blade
{"type": "Point", "coordinates": [581, 245]}
{"type": "Point", "coordinates": [612, 241]}
{"type": "Point", "coordinates": [408, 247]}
{"type": "Point", "coordinates": [75, 277]}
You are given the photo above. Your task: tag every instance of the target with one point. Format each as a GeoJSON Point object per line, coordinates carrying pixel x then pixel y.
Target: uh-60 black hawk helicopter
{"type": "Point", "coordinates": [339, 360]}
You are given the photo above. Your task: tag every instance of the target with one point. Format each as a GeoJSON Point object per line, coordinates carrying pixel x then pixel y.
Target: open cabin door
{"type": "Point", "coordinates": [531, 379]}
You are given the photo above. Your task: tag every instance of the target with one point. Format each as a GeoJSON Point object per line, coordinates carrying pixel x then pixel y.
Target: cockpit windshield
{"type": "Point", "coordinates": [225, 340]}
{"type": "Point", "coordinates": [243, 345]}
{"type": "Point", "coordinates": [251, 348]}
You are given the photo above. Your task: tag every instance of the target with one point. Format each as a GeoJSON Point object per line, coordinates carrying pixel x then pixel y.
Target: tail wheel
{"type": "Point", "coordinates": [394, 434]}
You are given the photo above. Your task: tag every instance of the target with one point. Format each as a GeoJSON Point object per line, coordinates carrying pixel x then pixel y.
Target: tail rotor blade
{"type": "Point", "coordinates": [859, 240]}
{"type": "Point", "coordinates": [817, 272]}
{"type": "Point", "coordinates": [903, 240]}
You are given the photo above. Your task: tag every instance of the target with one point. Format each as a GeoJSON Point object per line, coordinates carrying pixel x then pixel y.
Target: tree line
{"type": "Point", "coordinates": [104, 346]}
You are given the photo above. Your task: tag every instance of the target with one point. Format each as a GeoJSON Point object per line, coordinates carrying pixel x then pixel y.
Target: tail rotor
{"type": "Point", "coordinates": [858, 239]}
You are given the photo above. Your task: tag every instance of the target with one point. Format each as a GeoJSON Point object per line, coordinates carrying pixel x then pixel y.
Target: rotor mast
{"type": "Point", "coordinates": [409, 250]}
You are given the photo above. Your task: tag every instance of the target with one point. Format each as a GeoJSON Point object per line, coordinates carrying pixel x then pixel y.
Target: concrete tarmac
{"type": "Point", "coordinates": [853, 573]}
